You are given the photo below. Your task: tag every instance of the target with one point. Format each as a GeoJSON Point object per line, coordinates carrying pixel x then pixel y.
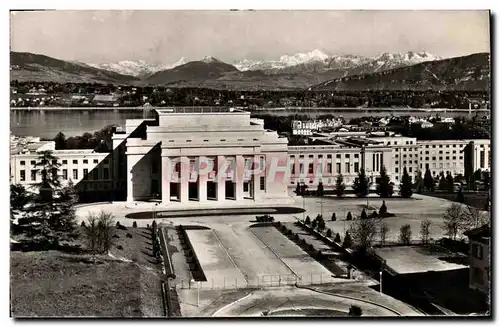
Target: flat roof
{"type": "Point", "coordinates": [415, 259]}
{"type": "Point", "coordinates": [195, 110]}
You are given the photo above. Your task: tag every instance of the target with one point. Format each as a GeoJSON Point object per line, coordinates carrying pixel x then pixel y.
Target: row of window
{"type": "Point", "coordinates": [410, 162]}
{"type": "Point", "coordinates": [94, 175]}
{"type": "Point", "coordinates": [65, 162]}
{"type": "Point", "coordinates": [440, 152]}
{"type": "Point", "coordinates": [447, 158]}
{"type": "Point", "coordinates": [338, 167]}
{"type": "Point", "coordinates": [328, 156]}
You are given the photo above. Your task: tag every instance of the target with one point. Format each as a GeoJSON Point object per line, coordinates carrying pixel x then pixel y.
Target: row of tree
{"type": "Point", "coordinates": [361, 185]}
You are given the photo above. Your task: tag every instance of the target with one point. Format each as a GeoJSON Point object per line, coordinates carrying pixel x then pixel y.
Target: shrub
{"type": "Point", "coordinates": [337, 238]}
{"type": "Point", "coordinates": [134, 224]}
{"type": "Point", "coordinates": [347, 241]}
{"type": "Point", "coordinates": [405, 234]}
{"type": "Point", "coordinates": [119, 247]}
{"type": "Point", "coordinates": [363, 214]}
{"type": "Point", "coordinates": [355, 311]}
{"type": "Point", "coordinates": [374, 214]}
{"type": "Point", "coordinates": [328, 232]}
{"type": "Point", "coordinates": [83, 224]}
{"type": "Point", "coordinates": [129, 235]}
{"type": "Point", "coordinates": [334, 217]}
{"type": "Point", "coordinates": [349, 216]}
{"type": "Point", "coordinates": [122, 227]}
{"type": "Point", "coordinates": [308, 220]}
{"type": "Point", "coordinates": [118, 224]}
{"type": "Point", "coordinates": [383, 209]}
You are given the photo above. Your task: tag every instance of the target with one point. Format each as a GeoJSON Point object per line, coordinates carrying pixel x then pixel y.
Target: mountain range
{"type": "Point", "coordinates": [315, 70]}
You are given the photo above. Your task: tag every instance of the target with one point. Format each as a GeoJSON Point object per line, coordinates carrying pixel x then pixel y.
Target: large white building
{"type": "Point", "coordinates": [221, 154]}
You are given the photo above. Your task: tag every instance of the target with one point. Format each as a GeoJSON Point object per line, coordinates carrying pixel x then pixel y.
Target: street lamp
{"type": "Point", "coordinates": [198, 287]}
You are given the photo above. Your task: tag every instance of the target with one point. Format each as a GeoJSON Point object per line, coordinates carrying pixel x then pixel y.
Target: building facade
{"type": "Point", "coordinates": [206, 154]}
{"type": "Point", "coordinates": [479, 258]}
{"type": "Point", "coordinates": [221, 154]}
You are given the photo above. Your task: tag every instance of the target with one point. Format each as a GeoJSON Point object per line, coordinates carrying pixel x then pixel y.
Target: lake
{"type": "Point", "coordinates": [48, 123]}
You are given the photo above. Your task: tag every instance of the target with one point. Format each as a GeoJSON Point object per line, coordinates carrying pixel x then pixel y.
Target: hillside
{"type": "Point", "coordinates": [35, 67]}
{"type": "Point", "coordinates": [461, 73]}
{"type": "Point", "coordinates": [207, 69]}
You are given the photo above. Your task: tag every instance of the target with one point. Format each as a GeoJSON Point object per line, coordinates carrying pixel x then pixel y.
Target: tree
{"type": "Point", "coordinates": [334, 217]}
{"type": "Point", "coordinates": [347, 244]}
{"type": "Point", "coordinates": [307, 221]}
{"type": "Point", "coordinates": [48, 168]}
{"type": "Point", "coordinates": [321, 224]}
{"type": "Point", "coordinates": [19, 197]}
{"type": "Point", "coordinates": [337, 238]}
{"type": "Point", "coordinates": [355, 311]}
{"type": "Point", "coordinates": [303, 189]}
{"type": "Point", "coordinates": [472, 217]}
{"type": "Point", "coordinates": [405, 189]}
{"type": "Point", "coordinates": [428, 181]}
{"type": "Point", "coordinates": [477, 175]}
{"type": "Point", "coordinates": [60, 141]}
{"type": "Point", "coordinates": [442, 183]}
{"type": "Point", "coordinates": [424, 230]}
{"type": "Point", "coordinates": [363, 232]}
{"type": "Point", "coordinates": [349, 216]}
{"type": "Point", "coordinates": [360, 185]}
{"type": "Point", "coordinates": [383, 230]}
{"type": "Point", "coordinates": [449, 183]}
{"type": "Point", "coordinates": [453, 220]}
{"type": "Point", "coordinates": [339, 186]}
{"type": "Point", "coordinates": [383, 209]}
{"type": "Point", "coordinates": [460, 196]}
{"type": "Point", "coordinates": [363, 214]}
{"type": "Point", "coordinates": [91, 233]}
{"type": "Point", "coordinates": [320, 191]}
{"type": "Point", "coordinates": [63, 221]}
{"type": "Point", "coordinates": [419, 182]}
{"type": "Point", "coordinates": [384, 187]}
{"type": "Point", "coordinates": [405, 234]}
{"type": "Point", "coordinates": [314, 224]}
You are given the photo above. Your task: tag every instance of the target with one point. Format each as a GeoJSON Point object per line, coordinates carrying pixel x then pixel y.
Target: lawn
{"type": "Point", "coordinates": [474, 199]}
{"type": "Point", "coordinates": [54, 284]}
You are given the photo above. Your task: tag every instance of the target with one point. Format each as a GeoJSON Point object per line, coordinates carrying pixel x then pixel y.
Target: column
{"type": "Point", "coordinates": [239, 177]}
{"type": "Point", "coordinates": [202, 184]}
{"type": "Point", "coordinates": [131, 161]}
{"type": "Point", "coordinates": [221, 180]}
{"type": "Point", "coordinates": [184, 180]}
{"type": "Point", "coordinates": [256, 177]}
{"type": "Point", "coordinates": [166, 175]}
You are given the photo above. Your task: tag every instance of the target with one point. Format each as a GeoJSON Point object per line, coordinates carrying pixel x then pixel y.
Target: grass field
{"type": "Point", "coordinates": [54, 284]}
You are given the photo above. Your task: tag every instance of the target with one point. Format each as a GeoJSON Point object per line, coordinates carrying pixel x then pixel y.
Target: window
{"type": "Point", "coordinates": [454, 151]}
{"type": "Point", "coordinates": [404, 162]}
{"type": "Point", "coordinates": [461, 157]}
{"type": "Point", "coordinates": [396, 162]}
{"type": "Point", "coordinates": [447, 145]}
{"type": "Point", "coordinates": [426, 158]}
{"type": "Point", "coordinates": [404, 149]}
{"type": "Point", "coordinates": [301, 156]}
{"type": "Point", "coordinates": [477, 251]}
{"type": "Point", "coordinates": [262, 183]}
{"type": "Point", "coordinates": [65, 174]}
{"type": "Point", "coordinates": [311, 156]}
{"type": "Point", "coordinates": [433, 158]}
{"type": "Point", "coordinates": [397, 149]}
{"type": "Point", "coordinates": [356, 155]}
{"type": "Point", "coordinates": [440, 152]}
{"type": "Point", "coordinates": [356, 167]}
{"type": "Point", "coordinates": [433, 146]}
{"type": "Point", "coordinates": [75, 173]}
{"type": "Point", "coordinates": [33, 175]}
{"type": "Point", "coordinates": [441, 165]}
{"type": "Point", "coordinates": [427, 146]}
{"type": "Point", "coordinates": [23, 162]}
{"type": "Point", "coordinates": [22, 173]}
{"type": "Point", "coordinates": [440, 158]}
{"type": "Point", "coordinates": [292, 169]}
{"type": "Point", "coordinates": [329, 167]}
{"type": "Point", "coordinates": [301, 169]}
{"type": "Point", "coordinates": [347, 168]}
{"type": "Point", "coordinates": [409, 170]}
{"type": "Point", "coordinates": [310, 168]}
{"type": "Point", "coordinates": [85, 172]}
{"type": "Point", "coordinates": [320, 156]}
{"type": "Point", "coordinates": [347, 156]}
{"type": "Point", "coordinates": [65, 162]}
{"type": "Point", "coordinates": [454, 145]}
{"type": "Point", "coordinates": [292, 156]}
{"type": "Point", "coordinates": [481, 159]}
{"type": "Point", "coordinates": [426, 152]}
{"type": "Point", "coordinates": [396, 156]}
{"type": "Point", "coordinates": [338, 168]}
{"type": "Point", "coordinates": [338, 156]}
{"type": "Point", "coordinates": [85, 161]}
{"type": "Point", "coordinates": [329, 156]}
{"type": "Point", "coordinates": [75, 162]}
{"type": "Point", "coordinates": [105, 161]}
{"type": "Point", "coordinates": [410, 162]}
{"type": "Point", "coordinates": [440, 145]}
{"type": "Point", "coordinates": [95, 172]}
{"type": "Point", "coordinates": [95, 161]}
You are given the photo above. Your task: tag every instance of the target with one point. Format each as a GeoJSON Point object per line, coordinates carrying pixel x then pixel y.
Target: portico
{"type": "Point", "coordinates": [203, 155]}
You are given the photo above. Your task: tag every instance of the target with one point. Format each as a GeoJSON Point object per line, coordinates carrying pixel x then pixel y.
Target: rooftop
{"type": "Point", "coordinates": [416, 259]}
{"type": "Point", "coordinates": [194, 110]}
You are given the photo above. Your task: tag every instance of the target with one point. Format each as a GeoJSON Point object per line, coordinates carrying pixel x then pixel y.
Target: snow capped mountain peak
{"type": "Point", "coordinates": [136, 67]}
{"type": "Point", "coordinates": [210, 60]}
{"type": "Point", "coordinates": [302, 58]}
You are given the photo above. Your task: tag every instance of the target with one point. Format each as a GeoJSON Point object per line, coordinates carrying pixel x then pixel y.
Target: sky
{"type": "Point", "coordinates": [163, 37]}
